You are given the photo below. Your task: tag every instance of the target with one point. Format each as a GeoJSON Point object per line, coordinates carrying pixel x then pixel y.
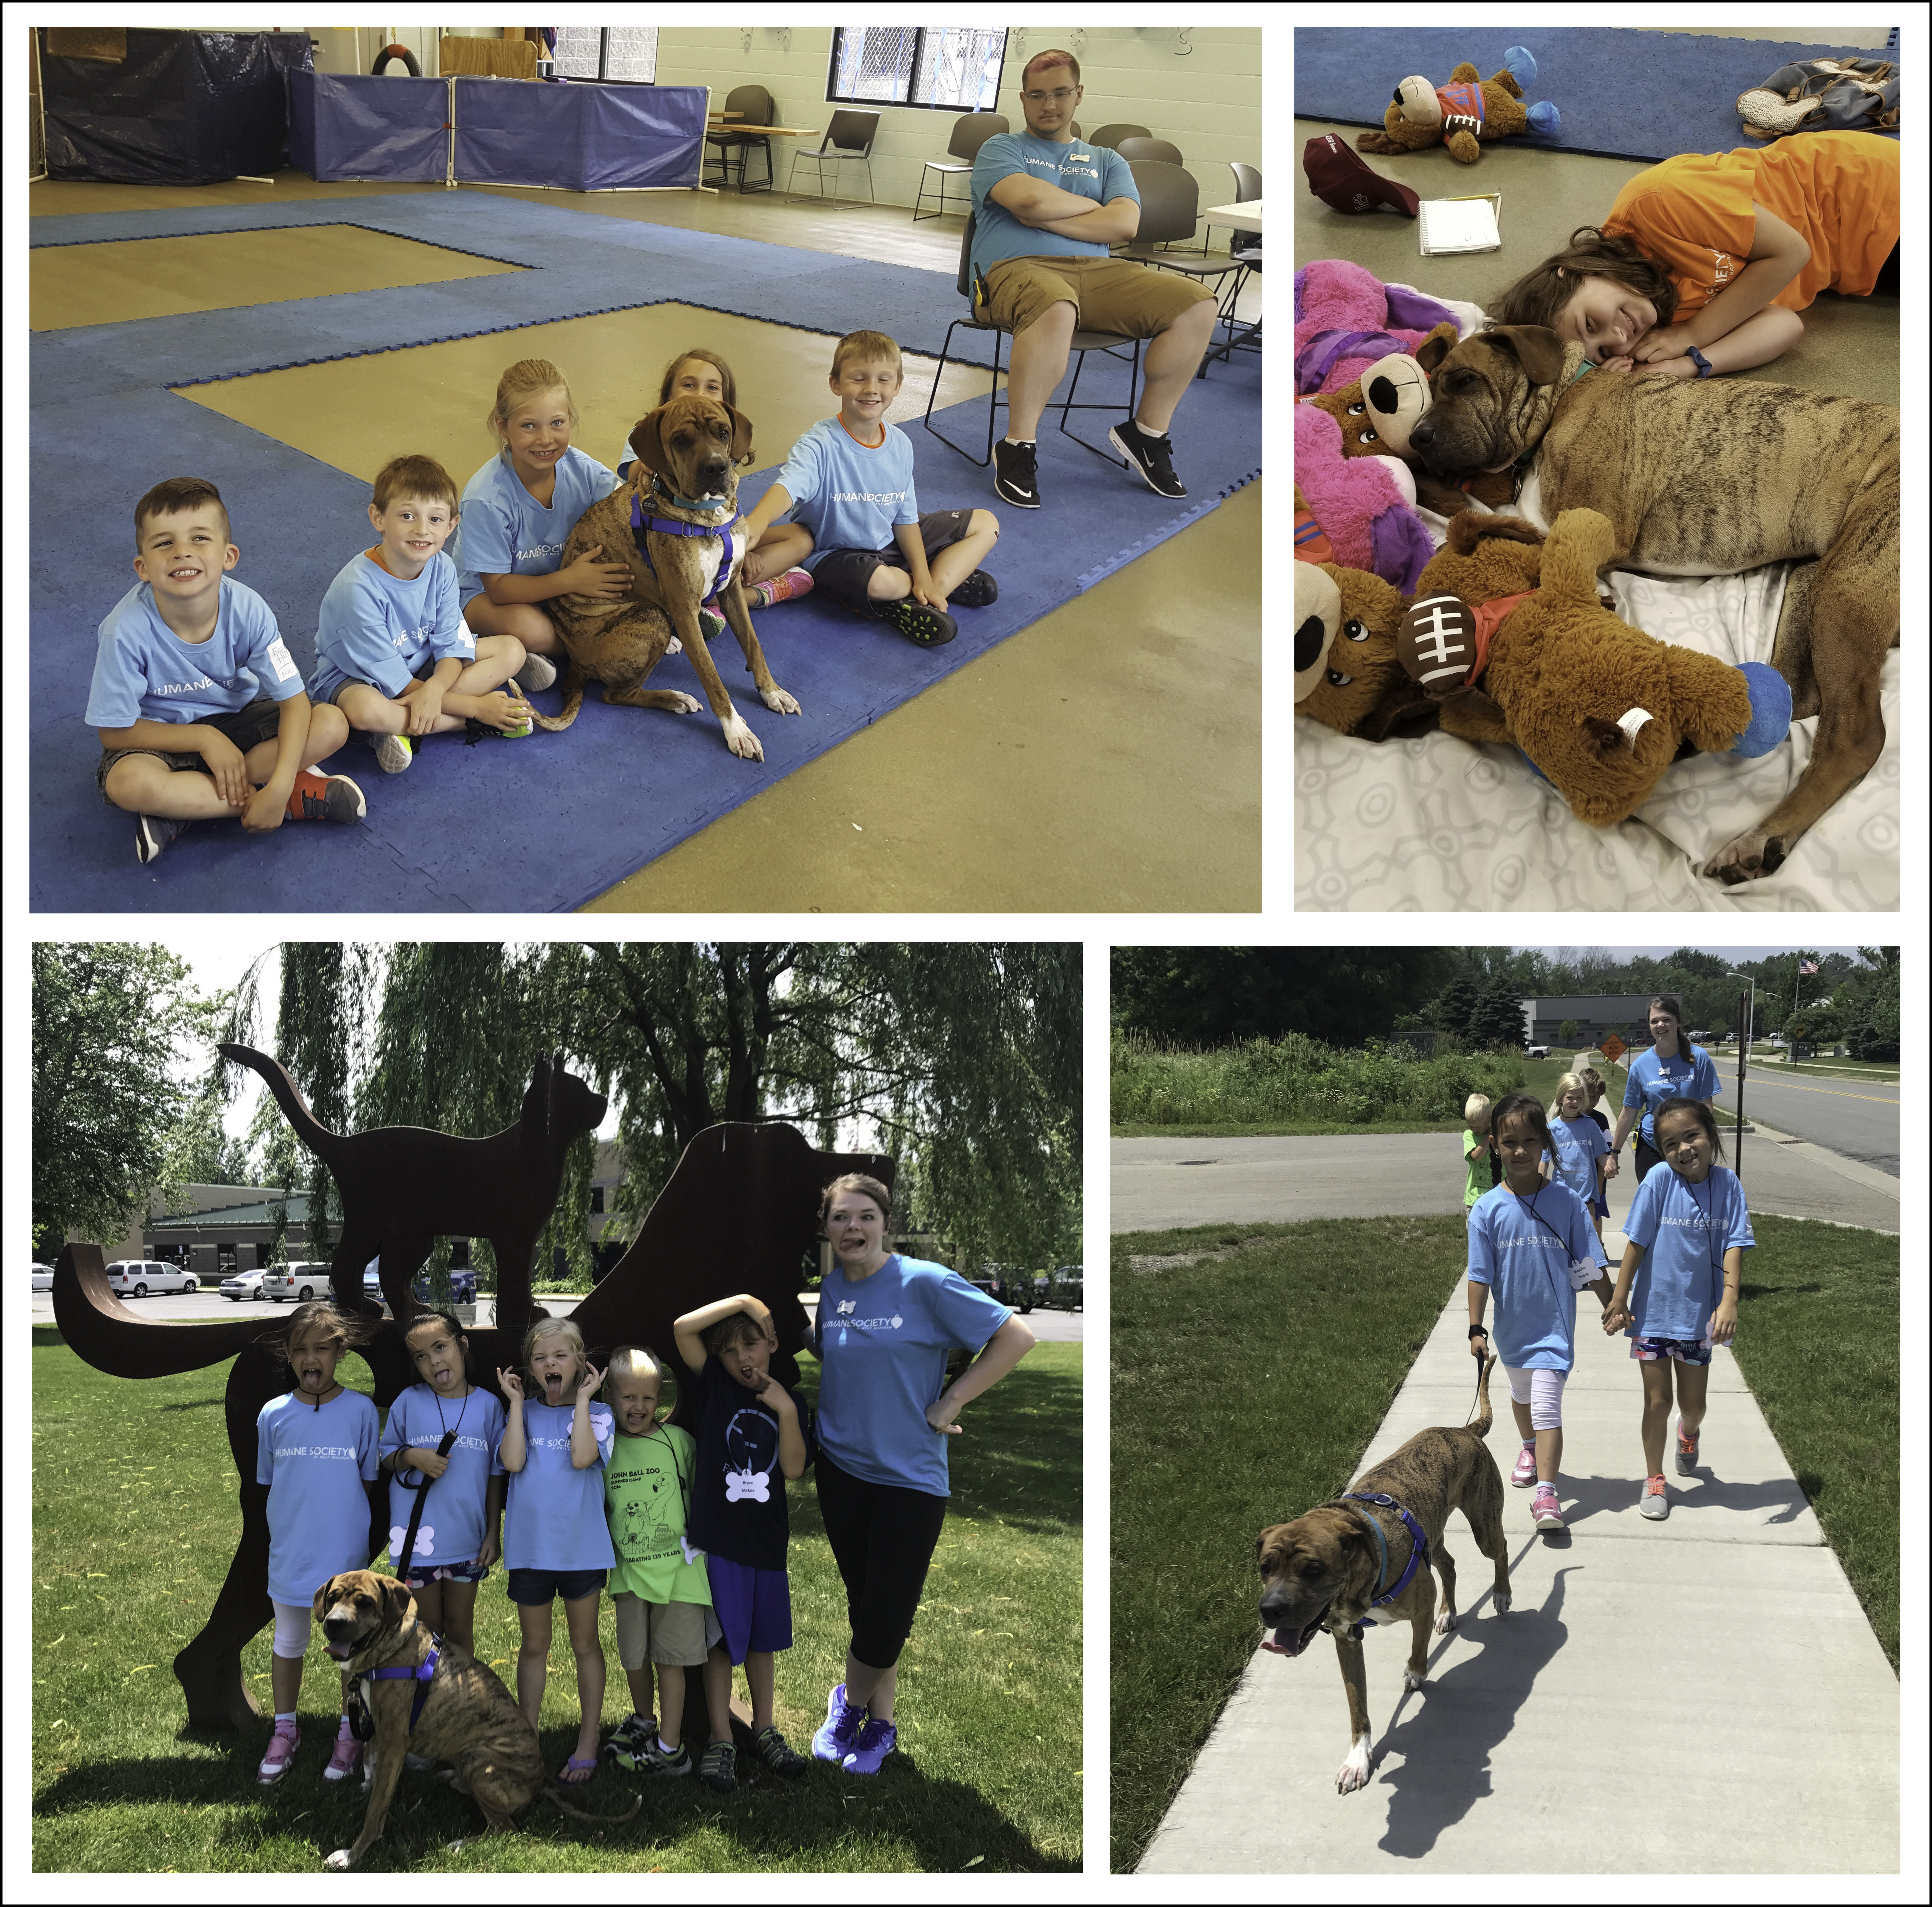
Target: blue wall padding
{"type": "Point", "coordinates": [343, 126]}
{"type": "Point", "coordinates": [550, 822]}
{"type": "Point", "coordinates": [583, 138]}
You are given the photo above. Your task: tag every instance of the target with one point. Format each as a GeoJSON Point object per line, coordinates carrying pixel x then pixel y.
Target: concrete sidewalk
{"type": "Point", "coordinates": [1702, 1696]}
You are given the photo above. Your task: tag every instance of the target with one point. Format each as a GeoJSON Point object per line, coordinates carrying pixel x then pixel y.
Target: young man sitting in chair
{"type": "Point", "coordinates": [1048, 206]}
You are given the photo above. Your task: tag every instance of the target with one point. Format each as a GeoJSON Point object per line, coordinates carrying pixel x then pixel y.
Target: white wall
{"type": "Point", "coordinates": [1207, 101]}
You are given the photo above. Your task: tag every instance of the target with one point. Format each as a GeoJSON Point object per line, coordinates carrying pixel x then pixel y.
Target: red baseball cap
{"type": "Point", "coordinates": [1337, 178]}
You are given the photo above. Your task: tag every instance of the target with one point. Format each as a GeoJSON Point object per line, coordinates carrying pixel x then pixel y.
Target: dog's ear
{"type": "Point", "coordinates": [396, 1600]}
{"type": "Point", "coordinates": [1436, 347]}
{"type": "Point", "coordinates": [323, 1597]}
{"type": "Point", "coordinates": [741, 436]}
{"type": "Point", "coordinates": [647, 440]}
{"type": "Point", "coordinates": [1536, 347]}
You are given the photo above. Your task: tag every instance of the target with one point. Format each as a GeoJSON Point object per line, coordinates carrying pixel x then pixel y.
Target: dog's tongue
{"type": "Point", "coordinates": [340, 1651]}
{"type": "Point", "coordinates": [1285, 1642]}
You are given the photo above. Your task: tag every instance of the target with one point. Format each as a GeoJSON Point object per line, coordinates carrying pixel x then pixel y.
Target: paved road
{"type": "Point", "coordinates": [1857, 1118]}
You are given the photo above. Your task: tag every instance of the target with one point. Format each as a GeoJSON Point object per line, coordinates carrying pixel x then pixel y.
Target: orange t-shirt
{"type": "Point", "coordinates": [1693, 213]}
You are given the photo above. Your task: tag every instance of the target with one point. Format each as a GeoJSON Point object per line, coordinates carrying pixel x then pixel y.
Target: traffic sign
{"type": "Point", "coordinates": [1612, 1049]}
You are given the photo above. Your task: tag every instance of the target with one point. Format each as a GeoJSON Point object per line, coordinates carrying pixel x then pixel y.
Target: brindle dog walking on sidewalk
{"type": "Point", "coordinates": [1333, 1567]}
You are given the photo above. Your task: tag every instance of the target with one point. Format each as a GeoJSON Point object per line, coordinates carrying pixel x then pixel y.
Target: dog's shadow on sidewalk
{"type": "Point", "coordinates": [1467, 1708]}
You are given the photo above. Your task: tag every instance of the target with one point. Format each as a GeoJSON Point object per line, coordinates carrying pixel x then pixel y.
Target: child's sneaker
{"type": "Point", "coordinates": [344, 1756]}
{"type": "Point", "coordinates": [474, 731]}
{"type": "Point", "coordinates": [1524, 1473]}
{"type": "Point", "coordinates": [668, 1761]}
{"type": "Point", "coordinates": [1656, 1504]}
{"type": "Point", "coordinates": [329, 798]}
{"type": "Point", "coordinates": [1016, 475]}
{"type": "Point", "coordinates": [835, 1739]}
{"type": "Point", "coordinates": [1686, 1449]}
{"type": "Point", "coordinates": [719, 1767]}
{"type": "Point", "coordinates": [928, 627]}
{"type": "Point", "coordinates": [1544, 1511]}
{"type": "Point", "coordinates": [876, 1739]}
{"type": "Point", "coordinates": [630, 1746]}
{"type": "Point", "coordinates": [780, 588]}
{"type": "Point", "coordinates": [394, 752]}
{"type": "Point", "coordinates": [777, 1756]}
{"type": "Point", "coordinates": [977, 592]}
{"type": "Point", "coordinates": [152, 833]}
{"type": "Point", "coordinates": [1152, 456]}
{"type": "Point", "coordinates": [537, 672]}
{"type": "Point", "coordinates": [282, 1746]}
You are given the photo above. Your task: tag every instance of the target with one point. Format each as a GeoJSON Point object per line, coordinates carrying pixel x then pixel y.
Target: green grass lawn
{"type": "Point", "coordinates": [1252, 1383]}
{"type": "Point", "coordinates": [135, 1520]}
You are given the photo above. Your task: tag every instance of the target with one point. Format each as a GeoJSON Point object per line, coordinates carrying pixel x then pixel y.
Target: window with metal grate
{"type": "Point", "coordinates": [952, 69]}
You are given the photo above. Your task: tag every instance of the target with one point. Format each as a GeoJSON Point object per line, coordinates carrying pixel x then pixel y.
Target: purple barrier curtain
{"type": "Point", "coordinates": [582, 136]}
{"type": "Point", "coordinates": [358, 126]}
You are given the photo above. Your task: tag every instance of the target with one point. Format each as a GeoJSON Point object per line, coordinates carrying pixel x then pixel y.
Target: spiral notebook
{"type": "Point", "coordinates": [1461, 225]}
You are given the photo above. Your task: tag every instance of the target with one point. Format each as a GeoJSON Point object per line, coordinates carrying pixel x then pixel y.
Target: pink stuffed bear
{"type": "Point", "coordinates": [1359, 503]}
{"type": "Point", "coordinates": [1346, 319]}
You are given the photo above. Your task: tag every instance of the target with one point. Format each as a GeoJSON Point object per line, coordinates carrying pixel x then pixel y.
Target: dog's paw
{"type": "Point", "coordinates": [686, 705]}
{"type": "Point", "coordinates": [1751, 857]}
{"type": "Point", "coordinates": [1445, 1622]}
{"type": "Point", "coordinates": [1412, 1679]}
{"type": "Point", "coordinates": [776, 698]}
{"type": "Point", "coordinates": [1502, 1603]}
{"type": "Point", "coordinates": [741, 741]}
{"type": "Point", "coordinates": [1354, 1772]}
{"type": "Point", "coordinates": [340, 1862]}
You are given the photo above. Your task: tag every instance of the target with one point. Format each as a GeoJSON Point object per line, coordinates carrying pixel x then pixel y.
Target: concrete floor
{"type": "Point", "coordinates": [1042, 778]}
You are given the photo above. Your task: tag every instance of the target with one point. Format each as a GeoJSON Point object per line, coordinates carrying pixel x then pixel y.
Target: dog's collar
{"type": "Point", "coordinates": [420, 1675]}
{"type": "Point", "coordinates": [1418, 1543]}
{"type": "Point", "coordinates": [688, 503]}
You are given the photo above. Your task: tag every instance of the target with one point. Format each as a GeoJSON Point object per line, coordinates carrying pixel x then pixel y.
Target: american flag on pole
{"type": "Point", "coordinates": [1807, 967]}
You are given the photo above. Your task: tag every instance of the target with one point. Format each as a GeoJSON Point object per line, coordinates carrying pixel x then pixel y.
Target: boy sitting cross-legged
{"type": "Point", "coordinates": [850, 480]}
{"type": "Point", "coordinates": [392, 650]}
{"type": "Point", "coordinates": [753, 1433]}
{"type": "Point", "coordinates": [200, 707]}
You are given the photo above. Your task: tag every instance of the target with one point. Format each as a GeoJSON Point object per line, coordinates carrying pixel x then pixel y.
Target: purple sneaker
{"type": "Point", "coordinates": [876, 1739]}
{"type": "Point", "coordinates": [834, 1740]}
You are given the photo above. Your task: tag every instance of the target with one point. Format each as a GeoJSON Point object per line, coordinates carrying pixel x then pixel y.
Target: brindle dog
{"type": "Point", "coordinates": [1323, 1569]}
{"type": "Point", "coordinates": [1701, 479]}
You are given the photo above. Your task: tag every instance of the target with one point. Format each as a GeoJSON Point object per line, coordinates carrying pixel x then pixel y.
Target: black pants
{"type": "Point", "coordinates": [882, 1539]}
{"type": "Point", "coordinates": [1647, 1155]}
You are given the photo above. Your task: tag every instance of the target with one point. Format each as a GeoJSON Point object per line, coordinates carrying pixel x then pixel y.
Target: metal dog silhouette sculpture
{"type": "Point", "coordinates": [738, 1213]}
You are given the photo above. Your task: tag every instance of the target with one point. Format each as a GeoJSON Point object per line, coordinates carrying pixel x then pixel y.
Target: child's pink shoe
{"type": "Point", "coordinates": [1544, 1510]}
{"type": "Point", "coordinates": [780, 588]}
{"type": "Point", "coordinates": [344, 1756]}
{"type": "Point", "coordinates": [282, 1746]}
{"type": "Point", "coordinates": [1524, 1474]}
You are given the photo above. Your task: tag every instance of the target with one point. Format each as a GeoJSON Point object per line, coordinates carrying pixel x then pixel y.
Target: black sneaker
{"type": "Point", "coordinates": [719, 1767]}
{"type": "Point", "coordinates": [928, 627]}
{"type": "Point", "coordinates": [630, 1746]}
{"type": "Point", "coordinates": [1152, 457]}
{"type": "Point", "coordinates": [1015, 479]}
{"type": "Point", "coordinates": [777, 1756]}
{"type": "Point", "coordinates": [152, 833]}
{"type": "Point", "coordinates": [977, 592]}
{"type": "Point", "coordinates": [675, 1761]}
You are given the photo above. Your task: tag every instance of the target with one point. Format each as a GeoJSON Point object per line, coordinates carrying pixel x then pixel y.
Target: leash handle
{"type": "Point", "coordinates": [442, 1450]}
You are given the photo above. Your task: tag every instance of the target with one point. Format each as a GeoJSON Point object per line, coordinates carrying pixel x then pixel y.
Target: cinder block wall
{"type": "Point", "coordinates": [1206, 99]}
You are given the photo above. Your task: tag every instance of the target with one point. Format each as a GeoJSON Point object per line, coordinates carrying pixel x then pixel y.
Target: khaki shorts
{"type": "Point", "coordinates": [1107, 294]}
{"type": "Point", "coordinates": [672, 1633]}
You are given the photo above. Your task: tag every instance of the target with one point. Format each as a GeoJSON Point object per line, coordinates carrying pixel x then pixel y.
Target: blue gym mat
{"type": "Point", "coordinates": [551, 822]}
{"type": "Point", "coordinates": [1623, 94]}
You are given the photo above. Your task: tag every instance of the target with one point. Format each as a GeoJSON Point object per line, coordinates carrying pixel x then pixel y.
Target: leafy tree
{"type": "Point", "coordinates": [1569, 1032]}
{"type": "Point", "coordinates": [107, 1016]}
{"type": "Point", "coordinates": [1497, 1019]}
{"type": "Point", "coordinates": [200, 1152]}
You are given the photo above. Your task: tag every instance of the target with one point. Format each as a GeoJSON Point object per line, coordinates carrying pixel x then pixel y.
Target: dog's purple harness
{"type": "Point", "coordinates": [734, 540]}
{"type": "Point", "coordinates": [1418, 1551]}
{"type": "Point", "coordinates": [420, 1674]}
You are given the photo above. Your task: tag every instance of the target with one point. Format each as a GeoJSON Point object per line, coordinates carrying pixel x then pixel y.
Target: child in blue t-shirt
{"type": "Point", "coordinates": [316, 1450]}
{"type": "Point", "coordinates": [849, 480]}
{"type": "Point", "coordinates": [1687, 1231]}
{"type": "Point", "coordinates": [456, 1541]}
{"type": "Point", "coordinates": [556, 1542]}
{"type": "Point", "coordinates": [393, 651]}
{"type": "Point", "coordinates": [1582, 1145]}
{"type": "Point", "coordinates": [1531, 1242]}
{"type": "Point", "coordinates": [200, 707]}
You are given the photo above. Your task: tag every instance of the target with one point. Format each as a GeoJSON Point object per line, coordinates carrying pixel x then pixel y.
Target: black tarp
{"type": "Point", "coordinates": [184, 108]}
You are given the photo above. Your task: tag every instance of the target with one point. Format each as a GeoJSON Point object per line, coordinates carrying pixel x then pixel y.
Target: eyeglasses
{"type": "Point", "coordinates": [1058, 97]}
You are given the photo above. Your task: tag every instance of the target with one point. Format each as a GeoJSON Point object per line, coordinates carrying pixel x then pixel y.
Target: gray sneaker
{"type": "Point", "coordinates": [1686, 1449]}
{"type": "Point", "coordinates": [152, 833]}
{"type": "Point", "coordinates": [394, 752]}
{"type": "Point", "coordinates": [1656, 1504]}
{"type": "Point", "coordinates": [537, 672]}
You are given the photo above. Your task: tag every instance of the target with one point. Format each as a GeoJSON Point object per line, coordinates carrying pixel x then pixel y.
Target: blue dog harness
{"type": "Point", "coordinates": [420, 1675]}
{"type": "Point", "coordinates": [1418, 1551]}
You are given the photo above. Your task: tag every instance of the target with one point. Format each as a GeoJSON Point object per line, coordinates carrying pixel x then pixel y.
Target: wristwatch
{"type": "Point", "coordinates": [1698, 358]}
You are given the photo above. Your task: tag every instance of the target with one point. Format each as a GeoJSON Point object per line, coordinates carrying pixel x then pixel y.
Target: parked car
{"type": "Point", "coordinates": [300, 1279]}
{"type": "Point", "coordinates": [462, 1287]}
{"type": "Point", "coordinates": [138, 1277]}
{"type": "Point", "coordinates": [44, 1278]}
{"type": "Point", "coordinates": [1537, 1052]}
{"type": "Point", "coordinates": [243, 1285]}
{"type": "Point", "coordinates": [1063, 1290]}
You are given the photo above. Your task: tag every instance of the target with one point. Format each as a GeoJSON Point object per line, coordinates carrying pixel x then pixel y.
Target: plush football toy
{"type": "Point", "coordinates": [1347, 674]}
{"type": "Point", "coordinates": [1512, 640]}
{"type": "Point", "coordinates": [1465, 111]}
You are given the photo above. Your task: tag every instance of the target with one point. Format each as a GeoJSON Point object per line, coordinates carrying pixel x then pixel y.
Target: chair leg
{"type": "Point", "coordinates": [992, 397]}
{"type": "Point", "coordinates": [1111, 455]}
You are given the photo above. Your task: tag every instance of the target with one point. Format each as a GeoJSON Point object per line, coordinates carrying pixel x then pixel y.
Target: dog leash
{"type": "Point", "coordinates": [442, 1450]}
{"type": "Point", "coordinates": [361, 1723]}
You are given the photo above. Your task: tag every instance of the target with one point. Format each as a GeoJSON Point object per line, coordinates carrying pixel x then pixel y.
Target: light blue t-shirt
{"type": "Point", "coordinates": [1580, 1143]}
{"type": "Point", "coordinates": [1522, 1249]}
{"type": "Point", "coordinates": [1651, 1080]}
{"type": "Point", "coordinates": [1090, 171]}
{"type": "Point", "coordinates": [502, 530]}
{"type": "Point", "coordinates": [554, 1518]}
{"type": "Point", "coordinates": [849, 496]}
{"type": "Point", "coordinates": [454, 1523]}
{"type": "Point", "coordinates": [1685, 1230]}
{"type": "Point", "coordinates": [883, 1342]}
{"type": "Point", "coordinates": [142, 668]}
{"type": "Point", "coordinates": [374, 628]}
{"type": "Point", "coordinates": [315, 1463]}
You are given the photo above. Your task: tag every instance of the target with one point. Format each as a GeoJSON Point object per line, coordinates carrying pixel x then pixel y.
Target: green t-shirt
{"type": "Point", "coordinates": [646, 1484]}
{"type": "Point", "coordinates": [1479, 1168]}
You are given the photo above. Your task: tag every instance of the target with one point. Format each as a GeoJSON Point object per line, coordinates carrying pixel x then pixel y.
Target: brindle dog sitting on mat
{"type": "Point", "coordinates": [1703, 479]}
{"type": "Point", "coordinates": [460, 1714]}
{"type": "Point", "coordinates": [673, 524]}
{"type": "Point", "coordinates": [1333, 1566]}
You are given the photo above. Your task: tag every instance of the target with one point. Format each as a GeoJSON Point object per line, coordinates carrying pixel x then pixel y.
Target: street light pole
{"type": "Point", "coordinates": [1750, 1004]}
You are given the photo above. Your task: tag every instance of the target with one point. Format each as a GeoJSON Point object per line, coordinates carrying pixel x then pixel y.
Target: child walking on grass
{"type": "Point", "coordinates": [1531, 1242]}
{"type": "Point", "coordinates": [1677, 1288]}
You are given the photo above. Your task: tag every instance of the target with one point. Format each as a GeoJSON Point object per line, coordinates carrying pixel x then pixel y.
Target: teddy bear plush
{"type": "Point", "coordinates": [1510, 636]}
{"type": "Point", "coordinates": [1347, 674]}
{"type": "Point", "coordinates": [1463, 112]}
{"type": "Point", "coordinates": [1359, 507]}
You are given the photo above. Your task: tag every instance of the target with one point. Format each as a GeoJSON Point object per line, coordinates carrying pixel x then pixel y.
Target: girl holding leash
{"type": "Point", "coordinates": [315, 1450]}
{"type": "Point", "coordinates": [556, 1543]}
{"type": "Point", "coordinates": [1688, 1229]}
{"type": "Point", "coordinates": [1672, 1068]}
{"type": "Point", "coordinates": [1531, 1241]}
{"type": "Point", "coordinates": [444, 1431]}
{"type": "Point", "coordinates": [1705, 261]}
